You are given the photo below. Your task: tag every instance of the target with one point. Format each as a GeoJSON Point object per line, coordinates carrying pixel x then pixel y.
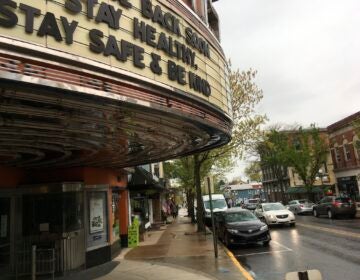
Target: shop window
{"type": "Point", "coordinates": [157, 170]}
{"type": "Point", "coordinates": [73, 211]}
{"type": "Point", "coordinates": [54, 213]}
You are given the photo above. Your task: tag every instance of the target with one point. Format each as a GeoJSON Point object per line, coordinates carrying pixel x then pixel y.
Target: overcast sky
{"type": "Point", "coordinates": [307, 53]}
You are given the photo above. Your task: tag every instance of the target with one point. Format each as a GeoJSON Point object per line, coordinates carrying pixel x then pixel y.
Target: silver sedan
{"type": "Point", "coordinates": [301, 206]}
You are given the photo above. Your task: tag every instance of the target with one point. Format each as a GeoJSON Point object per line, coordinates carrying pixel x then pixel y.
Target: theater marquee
{"type": "Point", "coordinates": [140, 36]}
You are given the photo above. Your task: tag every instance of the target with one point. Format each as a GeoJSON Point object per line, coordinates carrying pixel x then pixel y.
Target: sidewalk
{"type": "Point", "coordinates": [175, 251]}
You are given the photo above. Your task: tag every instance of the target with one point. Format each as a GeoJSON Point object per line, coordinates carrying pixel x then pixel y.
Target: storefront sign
{"type": "Point", "coordinates": [140, 36]}
{"type": "Point", "coordinates": [96, 215]}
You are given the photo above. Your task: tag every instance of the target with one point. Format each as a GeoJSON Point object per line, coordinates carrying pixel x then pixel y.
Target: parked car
{"type": "Point", "coordinates": [334, 206]}
{"type": "Point", "coordinates": [301, 206]}
{"type": "Point", "coordinates": [240, 226]}
{"type": "Point", "coordinates": [252, 203]}
{"type": "Point", "coordinates": [274, 213]}
{"type": "Point", "coordinates": [218, 203]}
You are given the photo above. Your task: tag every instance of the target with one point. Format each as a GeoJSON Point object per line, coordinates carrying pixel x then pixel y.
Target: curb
{"type": "Point", "coordinates": [244, 272]}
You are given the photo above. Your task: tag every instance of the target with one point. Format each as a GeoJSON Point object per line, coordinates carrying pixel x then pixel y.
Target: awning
{"type": "Point", "coordinates": [142, 180]}
{"type": "Point", "coordinates": [317, 189]}
{"type": "Point", "coordinates": [295, 190]}
{"type": "Point", "coordinates": [303, 189]}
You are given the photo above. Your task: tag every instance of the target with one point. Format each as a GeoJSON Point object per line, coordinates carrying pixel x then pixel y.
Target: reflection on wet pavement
{"type": "Point", "coordinates": [303, 248]}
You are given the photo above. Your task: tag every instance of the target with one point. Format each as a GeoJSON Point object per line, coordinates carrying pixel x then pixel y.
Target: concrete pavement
{"type": "Point", "coordinates": [174, 251]}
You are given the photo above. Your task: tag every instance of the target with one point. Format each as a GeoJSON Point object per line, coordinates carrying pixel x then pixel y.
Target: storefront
{"type": "Point", "coordinates": [6, 233]}
{"type": "Point", "coordinates": [348, 185]}
{"type": "Point", "coordinates": [80, 223]}
{"type": "Point", "coordinates": [85, 91]}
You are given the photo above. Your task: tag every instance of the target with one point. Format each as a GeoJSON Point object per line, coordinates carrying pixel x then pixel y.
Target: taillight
{"type": "Point", "coordinates": [336, 204]}
{"type": "Point", "coordinates": [301, 206]}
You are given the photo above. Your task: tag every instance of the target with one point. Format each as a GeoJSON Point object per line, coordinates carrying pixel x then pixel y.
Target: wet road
{"type": "Point", "coordinates": [331, 246]}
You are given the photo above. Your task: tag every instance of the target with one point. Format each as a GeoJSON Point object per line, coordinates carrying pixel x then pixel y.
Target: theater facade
{"type": "Point", "coordinates": [88, 88]}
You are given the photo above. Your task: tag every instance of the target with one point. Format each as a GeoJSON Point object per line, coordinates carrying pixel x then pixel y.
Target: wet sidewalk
{"type": "Point", "coordinates": [175, 250]}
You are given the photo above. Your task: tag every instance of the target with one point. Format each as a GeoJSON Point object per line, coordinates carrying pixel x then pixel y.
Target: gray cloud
{"type": "Point", "coordinates": [307, 53]}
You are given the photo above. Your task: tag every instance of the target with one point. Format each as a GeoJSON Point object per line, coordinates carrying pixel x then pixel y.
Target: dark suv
{"type": "Point", "coordinates": [334, 206]}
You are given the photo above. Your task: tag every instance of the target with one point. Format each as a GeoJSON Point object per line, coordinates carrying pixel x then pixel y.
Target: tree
{"type": "Point", "coordinates": [219, 184]}
{"type": "Point", "coordinates": [245, 95]}
{"type": "Point", "coordinates": [307, 151]}
{"type": "Point", "coordinates": [303, 149]}
{"type": "Point", "coordinates": [272, 151]}
{"type": "Point", "coordinates": [253, 171]}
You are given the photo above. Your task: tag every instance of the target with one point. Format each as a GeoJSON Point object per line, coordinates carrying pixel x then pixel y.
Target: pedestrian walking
{"type": "Point", "coordinates": [174, 209]}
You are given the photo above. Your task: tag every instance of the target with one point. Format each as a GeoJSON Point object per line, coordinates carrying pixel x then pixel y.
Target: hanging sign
{"type": "Point", "coordinates": [141, 36]}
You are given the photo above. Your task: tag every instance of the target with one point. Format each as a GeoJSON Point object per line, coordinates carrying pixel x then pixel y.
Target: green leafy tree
{"type": "Point", "coordinates": [192, 170]}
{"type": "Point", "coordinates": [253, 171]}
{"type": "Point", "coordinates": [245, 95]}
{"type": "Point", "coordinates": [307, 151]}
{"type": "Point", "coordinates": [273, 157]}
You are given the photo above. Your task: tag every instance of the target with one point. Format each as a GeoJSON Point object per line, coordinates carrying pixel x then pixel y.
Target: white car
{"type": "Point", "coordinates": [218, 203]}
{"type": "Point", "coordinates": [274, 214]}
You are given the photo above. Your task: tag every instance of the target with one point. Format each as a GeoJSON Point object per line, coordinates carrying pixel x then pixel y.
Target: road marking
{"type": "Point", "coordinates": [238, 265]}
{"type": "Point", "coordinates": [335, 231]}
{"type": "Point", "coordinates": [287, 248]}
{"type": "Point", "coordinates": [263, 253]}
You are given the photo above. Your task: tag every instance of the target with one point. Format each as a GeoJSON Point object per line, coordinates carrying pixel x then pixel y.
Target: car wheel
{"type": "Point", "coordinates": [330, 214]}
{"type": "Point", "coordinates": [266, 243]}
{"type": "Point", "coordinates": [353, 216]}
{"type": "Point", "coordinates": [316, 214]}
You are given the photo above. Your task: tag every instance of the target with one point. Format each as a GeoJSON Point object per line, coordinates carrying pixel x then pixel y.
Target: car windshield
{"type": "Point", "coordinates": [242, 216]}
{"type": "Point", "coordinates": [273, 206]}
{"type": "Point", "coordinates": [219, 203]}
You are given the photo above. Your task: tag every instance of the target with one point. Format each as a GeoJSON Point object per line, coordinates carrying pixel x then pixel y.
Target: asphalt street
{"type": "Point", "coordinates": [331, 246]}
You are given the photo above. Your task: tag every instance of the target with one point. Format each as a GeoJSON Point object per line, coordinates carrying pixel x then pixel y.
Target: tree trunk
{"type": "Point", "coordinates": [190, 204]}
{"type": "Point", "coordinates": [200, 205]}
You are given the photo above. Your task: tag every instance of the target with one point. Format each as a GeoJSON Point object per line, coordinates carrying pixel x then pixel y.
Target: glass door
{"type": "Point", "coordinates": [4, 235]}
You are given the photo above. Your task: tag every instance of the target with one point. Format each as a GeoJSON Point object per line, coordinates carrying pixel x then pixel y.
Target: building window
{"type": "Point", "coordinates": [189, 3]}
{"type": "Point", "coordinates": [357, 147]}
{"type": "Point", "coordinates": [347, 152]}
{"type": "Point", "coordinates": [337, 155]}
